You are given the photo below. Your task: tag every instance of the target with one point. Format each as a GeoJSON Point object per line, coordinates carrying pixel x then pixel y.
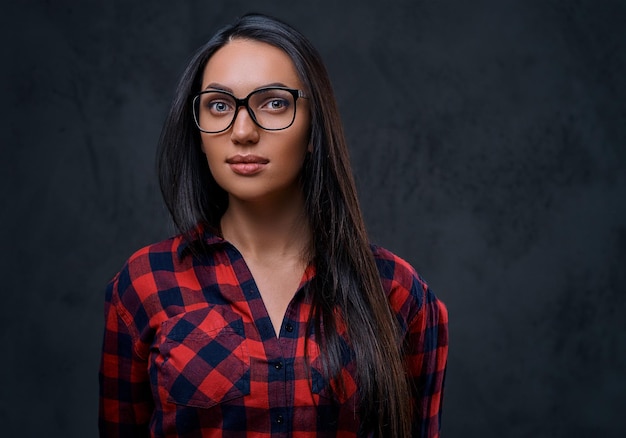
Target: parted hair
{"type": "Point", "coordinates": [346, 288]}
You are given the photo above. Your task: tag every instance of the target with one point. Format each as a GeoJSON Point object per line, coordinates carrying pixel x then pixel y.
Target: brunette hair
{"type": "Point", "coordinates": [346, 274]}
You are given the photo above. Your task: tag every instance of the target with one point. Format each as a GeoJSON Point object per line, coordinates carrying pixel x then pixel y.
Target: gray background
{"type": "Point", "coordinates": [488, 139]}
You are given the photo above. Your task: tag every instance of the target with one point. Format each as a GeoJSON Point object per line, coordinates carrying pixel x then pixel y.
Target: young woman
{"type": "Point", "coordinates": [270, 314]}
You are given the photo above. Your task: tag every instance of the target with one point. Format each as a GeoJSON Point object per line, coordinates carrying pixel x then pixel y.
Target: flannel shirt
{"type": "Point", "coordinates": [189, 351]}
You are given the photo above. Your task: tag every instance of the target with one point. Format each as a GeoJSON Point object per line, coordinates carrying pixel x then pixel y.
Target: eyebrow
{"type": "Point", "coordinates": [216, 86]}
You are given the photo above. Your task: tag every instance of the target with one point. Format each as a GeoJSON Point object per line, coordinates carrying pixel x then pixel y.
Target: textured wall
{"type": "Point", "coordinates": [488, 139]}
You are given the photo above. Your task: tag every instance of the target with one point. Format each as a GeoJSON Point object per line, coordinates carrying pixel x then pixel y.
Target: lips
{"type": "Point", "coordinates": [246, 164]}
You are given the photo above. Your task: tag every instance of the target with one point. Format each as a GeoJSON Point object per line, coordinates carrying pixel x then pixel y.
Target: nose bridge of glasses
{"type": "Point", "coordinates": [243, 103]}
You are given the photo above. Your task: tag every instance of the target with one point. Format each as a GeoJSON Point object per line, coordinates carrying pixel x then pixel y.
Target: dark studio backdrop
{"type": "Point", "coordinates": [488, 140]}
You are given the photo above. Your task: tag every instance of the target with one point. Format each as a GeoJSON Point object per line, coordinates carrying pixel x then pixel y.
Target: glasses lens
{"type": "Point", "coordinates": [273, 108]}
{"type": "Point", "coordinates": [214, 110]}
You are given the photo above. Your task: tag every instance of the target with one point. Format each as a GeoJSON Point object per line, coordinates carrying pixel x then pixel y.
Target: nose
{"type": "Point", "coordinates": [244, 130]}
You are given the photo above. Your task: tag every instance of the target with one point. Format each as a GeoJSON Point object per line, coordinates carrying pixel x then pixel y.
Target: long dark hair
{"type": "Point", "coordinates": [346, 275]}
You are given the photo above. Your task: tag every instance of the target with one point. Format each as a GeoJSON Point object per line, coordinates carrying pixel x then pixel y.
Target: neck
{"type": "Point", "coordinates": [268, 230]}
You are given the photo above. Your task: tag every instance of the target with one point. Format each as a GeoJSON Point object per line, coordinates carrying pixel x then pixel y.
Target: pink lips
{"type": "Point", "coordinates": [247, 164]}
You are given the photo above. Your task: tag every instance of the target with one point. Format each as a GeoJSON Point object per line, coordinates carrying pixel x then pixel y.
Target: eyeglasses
{"type": "Point", "coordinates": [271, 108]}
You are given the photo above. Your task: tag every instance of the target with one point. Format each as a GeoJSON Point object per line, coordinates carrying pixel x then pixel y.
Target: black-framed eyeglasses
{"type": "Point", "coordinates": [271, 108]}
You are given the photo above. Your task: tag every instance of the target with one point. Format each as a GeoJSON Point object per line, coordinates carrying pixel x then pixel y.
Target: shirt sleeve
{"type": "Point", "coordinates": [126, 402]}
{"type": "Point", "coordinates": [427, 355]}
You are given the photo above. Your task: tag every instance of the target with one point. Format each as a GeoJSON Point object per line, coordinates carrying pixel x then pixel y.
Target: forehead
{"type": "Point", "coordinates": [244, 65]}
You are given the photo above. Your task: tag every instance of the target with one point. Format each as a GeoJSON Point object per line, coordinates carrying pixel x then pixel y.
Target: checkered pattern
{"type": "Point", "coordinates": [189, 350]}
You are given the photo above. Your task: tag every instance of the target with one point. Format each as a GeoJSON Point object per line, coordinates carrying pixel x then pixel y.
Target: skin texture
{"type": "Point", "coordinates": [241, 67]}
{"type": "Point", "coordinates": [265, 219]}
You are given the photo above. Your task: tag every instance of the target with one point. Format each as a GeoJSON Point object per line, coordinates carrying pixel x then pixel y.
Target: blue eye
{"type": "Point", "coordinates": [219, 106]}
{"type": "Point", "coordinates": [277, 104]}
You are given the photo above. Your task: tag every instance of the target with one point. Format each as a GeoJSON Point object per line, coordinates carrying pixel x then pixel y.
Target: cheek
{"type": "Point", "coordinates": [301, 138]}
{"type": "Point", "coordinates": [203, 147]}
{"type": "Point", "coordinates": [210, 155]}
{"type": "Point", "coordinates": [296, 147]}
{"type": "Point", "coordinates": [209, 148]}
{"type": "Point", "coordinates": [212, 162]}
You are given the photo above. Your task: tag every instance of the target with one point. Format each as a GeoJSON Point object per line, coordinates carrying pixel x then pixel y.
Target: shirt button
{"type": "Point", "coordinates": [278, 365]}
{"type": "Point", "coordinates": [279, 419]}
{"type": "Point", "coordinates": [289, 328]}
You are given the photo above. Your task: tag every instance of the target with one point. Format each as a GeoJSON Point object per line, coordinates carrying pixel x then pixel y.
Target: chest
{"type": "Point", "coordinates": [214, 349]}
{"type": "Point", "coordinates": [277, 285]}
{"type": "Point", "coordinates": [210, 362]}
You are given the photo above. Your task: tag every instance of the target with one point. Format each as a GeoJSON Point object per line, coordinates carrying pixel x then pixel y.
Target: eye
{"type": "Point", "coordinates": [219, 106]}
{"type": "Point", "coordinates": [277, 104]}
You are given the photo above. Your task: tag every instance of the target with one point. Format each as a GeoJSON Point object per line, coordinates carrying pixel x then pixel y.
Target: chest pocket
{"type": "Point", "coordinates": [329, 390]}
{"type": "Point", "coordinates": [203, 358]}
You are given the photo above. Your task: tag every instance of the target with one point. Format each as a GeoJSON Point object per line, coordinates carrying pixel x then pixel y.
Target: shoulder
{"type": "Point", "coordinates": [143, 263]}
{"type": "Point", "coordinates": [404, 287]}
{"type": "Point", "coordinates": [142, 275]}
{"type": "Point", "coordinates": [395, 269]}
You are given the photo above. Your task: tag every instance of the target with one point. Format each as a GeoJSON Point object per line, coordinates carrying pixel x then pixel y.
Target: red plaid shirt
{"type": "Point", "coordinates": [189, 350]}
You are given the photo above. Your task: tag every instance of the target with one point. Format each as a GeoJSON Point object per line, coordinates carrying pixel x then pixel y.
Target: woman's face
{"type": "Point", "coordinates": [248, 162]}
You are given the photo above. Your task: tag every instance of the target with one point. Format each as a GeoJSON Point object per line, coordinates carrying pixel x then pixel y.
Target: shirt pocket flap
{"type": "Point", "coordinates": [204, 358]}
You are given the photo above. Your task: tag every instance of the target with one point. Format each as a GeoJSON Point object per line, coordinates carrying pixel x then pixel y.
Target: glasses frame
{"type": "Point", "coordinates": [244, 103]}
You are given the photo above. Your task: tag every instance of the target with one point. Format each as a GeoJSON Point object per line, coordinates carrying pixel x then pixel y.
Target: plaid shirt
{"type": "Point", "coordinates": [189, 350]}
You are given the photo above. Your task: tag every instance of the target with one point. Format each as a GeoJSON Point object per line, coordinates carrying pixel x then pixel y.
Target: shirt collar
{"type": "Point", "coordinates": [200, 237]}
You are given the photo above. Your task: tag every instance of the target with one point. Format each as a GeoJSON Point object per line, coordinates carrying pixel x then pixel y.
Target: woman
{"type": "Point", "coordinates": [270, 313]}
